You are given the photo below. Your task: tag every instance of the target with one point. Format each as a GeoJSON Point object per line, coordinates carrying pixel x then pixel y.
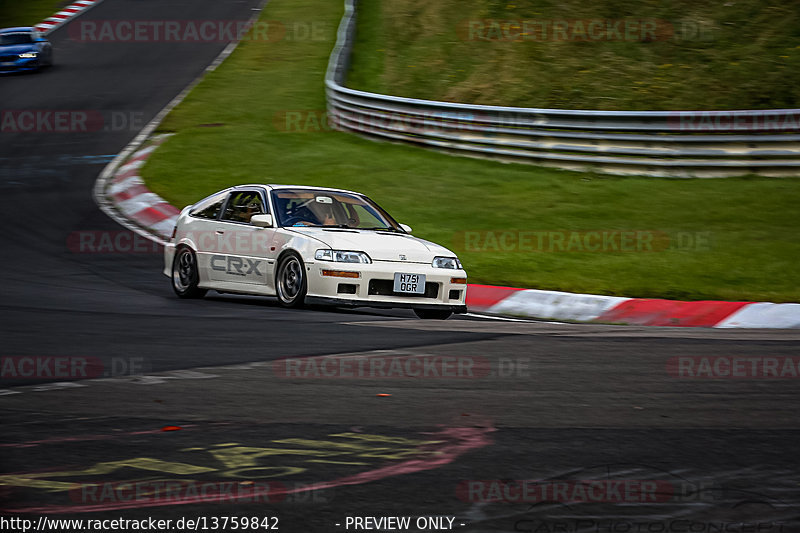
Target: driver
{"type": "Point", "coordinates": [326, 215]}
{"type": "Point", "coordinates": [253, 208]}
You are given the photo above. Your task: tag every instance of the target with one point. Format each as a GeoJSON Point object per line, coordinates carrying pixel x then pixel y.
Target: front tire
{"type": "Point", "coordinates": [433, 314]}
{"type": "Point", "coordinates": [185, 276]}
{"type": "Point", "coordinates": [290, 281]}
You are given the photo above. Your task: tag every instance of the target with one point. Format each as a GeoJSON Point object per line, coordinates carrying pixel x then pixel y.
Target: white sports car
{"type": "Point", "coordinates": [310, 245]}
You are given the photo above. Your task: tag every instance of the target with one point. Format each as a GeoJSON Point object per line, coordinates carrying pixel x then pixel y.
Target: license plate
{"type": "Point", "coordinates": [409, 283]}
{"type": "Point", "coordinates": [7, 63]}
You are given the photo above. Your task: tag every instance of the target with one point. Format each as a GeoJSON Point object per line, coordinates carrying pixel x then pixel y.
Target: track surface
{"type": "Point", "coordinates": [591, 402]}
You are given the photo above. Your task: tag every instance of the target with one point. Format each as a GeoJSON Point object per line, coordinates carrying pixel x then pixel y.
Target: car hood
{"type": "Point", "coordinates": [11, 49]}
{"type": "Point", "coordinates": [380, 246]}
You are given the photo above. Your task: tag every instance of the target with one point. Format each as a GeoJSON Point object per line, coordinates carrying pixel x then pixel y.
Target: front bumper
{"type": "Point", "coordinates": [20, 65]}
{"type": "Point", "coordinates": [374, 286]}
{"type": "Point", "coordinates": [341, 302]}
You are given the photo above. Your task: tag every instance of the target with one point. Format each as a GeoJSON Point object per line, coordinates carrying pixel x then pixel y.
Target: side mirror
{"type": "Point", "coordinates": [261, 221]}
{"type": "Point", "coordinates": [406, 228]}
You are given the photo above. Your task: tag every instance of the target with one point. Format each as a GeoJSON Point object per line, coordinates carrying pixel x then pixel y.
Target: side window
{"type": "Point", "coordinates": [242, 205]}
{"type": "Point", "coordinates": [209, 209]}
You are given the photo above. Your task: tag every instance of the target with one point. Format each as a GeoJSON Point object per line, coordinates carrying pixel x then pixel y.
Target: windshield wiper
{"type": "Point", "coordinates": [394, 230]}
{"type": "Point", "coordinates": [345, 226]}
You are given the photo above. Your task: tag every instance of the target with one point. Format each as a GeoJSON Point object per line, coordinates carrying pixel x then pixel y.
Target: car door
{"type": "Point", "coordinates": [241, 250]}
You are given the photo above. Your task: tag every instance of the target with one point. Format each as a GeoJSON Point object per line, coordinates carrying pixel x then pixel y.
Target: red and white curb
{"type": "Point", "coordinates": [65, 14]}
{"type": "Point", "coordinates": [131, 199]}
{"type": "Point", "coordinates": [556, 305]}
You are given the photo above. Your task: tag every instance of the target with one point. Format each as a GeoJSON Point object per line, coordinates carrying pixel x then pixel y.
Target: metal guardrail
{"type": "Point", "coordinates": [657, 143]}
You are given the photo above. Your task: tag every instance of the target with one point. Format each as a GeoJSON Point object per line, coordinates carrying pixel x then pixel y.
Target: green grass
{"type": "Point", "coordinates": [742, 54]}
{"type": "Point", "coordinates": [229, 131]}
{"type": "Point", "coordinates": [27, 12]}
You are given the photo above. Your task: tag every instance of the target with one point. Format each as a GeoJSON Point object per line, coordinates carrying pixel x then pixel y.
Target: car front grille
{"type": "Point", "coordinates": [385, 287]}
{"type": "Point", "coordinates": [4, 59]}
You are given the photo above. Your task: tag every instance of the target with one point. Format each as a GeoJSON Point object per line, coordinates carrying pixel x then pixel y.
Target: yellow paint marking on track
{"type": "Point", "coordinates": [326, 461]}
{"type": "Point", "coordinates": [141, 463]}
{"type": "Point", "coordinates": [384, 438]}
{"type": "Point", "coordinates": [236, 460]}
{"type": "Point", "coordinates": [264, 472]}
{"type": "Point", "coordinates": [246, 456]}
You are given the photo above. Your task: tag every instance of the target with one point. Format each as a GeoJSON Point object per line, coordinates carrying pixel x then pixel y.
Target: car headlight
{"type": "Point", "coordinates": [342, 256]}
{"type": "Point", "coordinates": [27, 55]}
{"type": "Point", "coordinates": [447, 262]}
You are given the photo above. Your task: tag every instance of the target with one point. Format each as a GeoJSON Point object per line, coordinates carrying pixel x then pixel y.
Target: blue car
{"type": "Point", "coordinates": [24, 49]}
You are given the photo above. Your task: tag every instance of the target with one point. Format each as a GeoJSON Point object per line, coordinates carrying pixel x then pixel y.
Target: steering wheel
{"type": "Point", "coordinates": [291, 221]}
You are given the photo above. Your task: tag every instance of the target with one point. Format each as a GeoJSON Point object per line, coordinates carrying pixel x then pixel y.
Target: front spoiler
{"type": "Point", "coordinates": [341, 302]}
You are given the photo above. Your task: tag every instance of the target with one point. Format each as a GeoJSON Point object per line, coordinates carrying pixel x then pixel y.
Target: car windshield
{"type": "Point", "coordinates": [15, 38]}
{"type": "Point", "coordinates": [315, 207]}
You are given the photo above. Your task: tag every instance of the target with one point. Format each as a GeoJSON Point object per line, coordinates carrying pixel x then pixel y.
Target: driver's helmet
{"type": "Point", "coordinates": [250, 209]}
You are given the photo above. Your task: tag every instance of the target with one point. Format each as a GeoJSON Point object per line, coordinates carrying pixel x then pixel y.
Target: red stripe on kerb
{"type": "Point", "coordinates": [138, 156]}
{"type": "Point", "coordinates": [644, 312]}
{"type": "Point", "coordinates": [169, 209]}
{"type": "Point", "coordinates": [149, 215]}
{"type": "Point", "coordinates": [130, 192]}
{"type": "Point", "coordinates": [485, 296]}
{"type": "Point", "coordinates": [125, 175]}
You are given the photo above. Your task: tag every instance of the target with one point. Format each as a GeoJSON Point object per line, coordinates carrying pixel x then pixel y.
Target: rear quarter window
{"type": "Point", "coordinates": [208, 208]}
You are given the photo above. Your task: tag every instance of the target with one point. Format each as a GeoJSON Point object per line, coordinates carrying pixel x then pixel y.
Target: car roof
{"type": "Point", "coordinates": [273, 186]}
{"type": "Point", "coordinates": [20, 29]}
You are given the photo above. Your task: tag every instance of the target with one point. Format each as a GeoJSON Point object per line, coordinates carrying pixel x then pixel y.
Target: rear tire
{"type": "Point", "coordinates": [290, 281]}
{"type": "Point", "coordinates": [433, 314]}
{"type": "Point", "coordinates": [185, 276]}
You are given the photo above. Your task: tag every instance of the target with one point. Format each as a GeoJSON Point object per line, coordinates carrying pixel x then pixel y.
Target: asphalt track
{"type": "Point", "coordinates": [546, 401]}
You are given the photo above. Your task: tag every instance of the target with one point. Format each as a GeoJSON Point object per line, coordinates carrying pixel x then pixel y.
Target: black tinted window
{"type": "Point", "coordinates": [15, 38]}
{"type": "Point", "coordinates": [209, 209]}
